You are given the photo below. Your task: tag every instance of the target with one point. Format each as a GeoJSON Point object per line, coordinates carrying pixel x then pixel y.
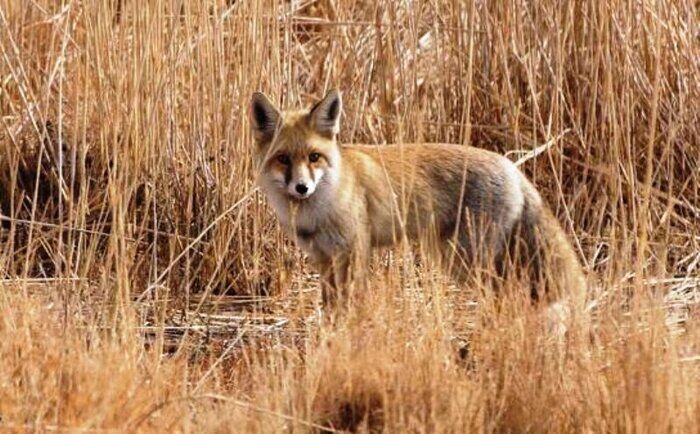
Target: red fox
{"type": "Point", "coordinates": [340, 201]}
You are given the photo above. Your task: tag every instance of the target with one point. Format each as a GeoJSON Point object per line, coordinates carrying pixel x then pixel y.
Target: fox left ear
{"type": "Point", "coordinates": [324, 117]}
{"type": "Point", "coordinates": [264, 117]}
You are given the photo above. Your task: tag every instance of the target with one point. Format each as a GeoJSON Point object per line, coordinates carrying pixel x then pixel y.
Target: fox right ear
{"type": "Point", "coordinates": [264, 117]}
{"type": "Point", "coordinates": [325, 115]}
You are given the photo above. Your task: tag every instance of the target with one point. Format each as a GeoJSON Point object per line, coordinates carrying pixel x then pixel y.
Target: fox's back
{"type": "Point", "coordinates": [426, 183]}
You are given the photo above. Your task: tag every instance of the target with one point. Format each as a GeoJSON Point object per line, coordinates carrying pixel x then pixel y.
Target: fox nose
{"type": "Point", "coordinates": [301, 188]}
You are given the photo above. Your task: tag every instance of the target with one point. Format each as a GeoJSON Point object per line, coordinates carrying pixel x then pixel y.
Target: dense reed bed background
{"type": "Point", "coordinates": [145, 286]}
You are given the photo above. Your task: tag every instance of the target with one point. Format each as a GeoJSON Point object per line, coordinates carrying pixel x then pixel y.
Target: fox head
{"type": "Point", "coordinates": [297, 151]}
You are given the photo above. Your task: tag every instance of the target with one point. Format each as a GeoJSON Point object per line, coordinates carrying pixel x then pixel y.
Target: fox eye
{"type": "Point", "coordinates": [314, 157]}
{"type": "Point", "coordinates": [283, 159]}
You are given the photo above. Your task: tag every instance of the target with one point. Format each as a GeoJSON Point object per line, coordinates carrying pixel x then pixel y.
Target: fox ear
{"type": "Point", "coordinates": [324, 117]}
{"type": "Point", "coordinates": [264, 117]}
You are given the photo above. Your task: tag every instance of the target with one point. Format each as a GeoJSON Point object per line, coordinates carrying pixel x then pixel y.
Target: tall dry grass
{"type": "Point", "coordinates": [144, 285]}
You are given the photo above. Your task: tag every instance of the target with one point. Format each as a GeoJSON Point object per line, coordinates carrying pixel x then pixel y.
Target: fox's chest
{"type": "Point", "coordinates": [297, 218]}
{"type": "Point", "coordinates": [310, 227]}
{"type": "Point", "coordinates": [320, 242]}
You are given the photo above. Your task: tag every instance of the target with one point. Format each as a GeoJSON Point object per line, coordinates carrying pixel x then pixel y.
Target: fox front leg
{"type": "Point", "coordinates": [328, 284]}
{"type": "Point", "coordinates": [339, 277]}
{"type": "Point", "coordinates": [335, 280]}
{"type": "Point", "coordinates": [344, 271]}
